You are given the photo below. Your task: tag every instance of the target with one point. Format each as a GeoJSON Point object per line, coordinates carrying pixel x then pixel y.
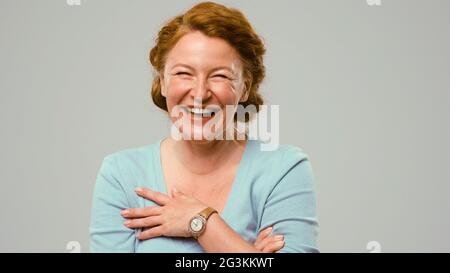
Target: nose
{"type": "Point", "coordinates": [201, 91]}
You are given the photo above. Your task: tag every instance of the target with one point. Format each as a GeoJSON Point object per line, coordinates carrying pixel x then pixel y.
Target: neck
{"type": "Point", "coordinates": [205, 157]}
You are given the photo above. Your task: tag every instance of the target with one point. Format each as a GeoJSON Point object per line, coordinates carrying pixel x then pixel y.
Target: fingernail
{"type": "Point", "coordinates": [138, 190]}
{"type": "Point", "coordinates": [125, 212]}
{"type": "Point", "coordinates": [128, 222]}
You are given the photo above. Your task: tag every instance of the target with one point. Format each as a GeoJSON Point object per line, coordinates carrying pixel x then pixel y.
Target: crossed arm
{"type": "Point", "coordinates": [172, 216]}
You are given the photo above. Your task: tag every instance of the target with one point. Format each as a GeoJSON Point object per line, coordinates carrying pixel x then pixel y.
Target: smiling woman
{"type": "Point", "coordinates": [201, 193]}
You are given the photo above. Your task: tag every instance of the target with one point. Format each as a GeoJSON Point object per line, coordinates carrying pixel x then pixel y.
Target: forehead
{"type": "Point", "coordinates": [199, 50]}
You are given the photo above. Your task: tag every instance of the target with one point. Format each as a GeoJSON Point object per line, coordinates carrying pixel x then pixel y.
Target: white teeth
{"type": "Point", "coordinates": [199, 111]}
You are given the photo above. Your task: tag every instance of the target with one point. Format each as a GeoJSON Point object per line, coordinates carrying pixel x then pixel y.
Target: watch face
{"type": "Point", "coordinates": [196, 224]}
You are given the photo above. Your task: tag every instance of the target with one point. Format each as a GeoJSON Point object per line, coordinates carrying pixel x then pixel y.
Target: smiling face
{"type": "Point", "coordinates": [201, 74]}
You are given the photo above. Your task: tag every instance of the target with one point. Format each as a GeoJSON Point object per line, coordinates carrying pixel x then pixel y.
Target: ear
{"type": "Point", "coordinates": [161, 83]}
{"type": "Point", "coordinates": [245, 92]}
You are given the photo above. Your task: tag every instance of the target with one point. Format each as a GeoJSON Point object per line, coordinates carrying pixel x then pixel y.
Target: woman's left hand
{"type": "Point", "coordinates": [170, 218]}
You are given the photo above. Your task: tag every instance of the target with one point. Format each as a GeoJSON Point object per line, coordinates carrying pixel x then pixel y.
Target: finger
{"type": "Point", "coordinates": [151, 233]}
{"type": "Point", "coordinates": [273, 247]}
{"type": "Point", "coordinates": [141, 212]}
{"type": "Point", "coordinates": [262, 235]}
{"type": "Point", "coordinates": [274, 244]}
{"type": "Point", "coordinates": [144, 222]}
{"type": "Point", "coordinates": [157, 197]}
{"type": "Point", "coordinates": [269, 240]}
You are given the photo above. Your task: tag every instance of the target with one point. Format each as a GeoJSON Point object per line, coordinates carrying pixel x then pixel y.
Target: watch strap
{"type": "Point", "coordinates": [206, 213]}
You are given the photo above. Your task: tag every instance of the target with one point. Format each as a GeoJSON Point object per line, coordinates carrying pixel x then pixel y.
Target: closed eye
{"type": "Point", "coordinates": [182, 73]}
{"type": "Point", "coordinates": [221, 76]}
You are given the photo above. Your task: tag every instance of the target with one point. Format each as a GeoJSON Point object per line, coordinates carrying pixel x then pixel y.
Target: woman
{"type": "Point", "coordinates": [196, 191]}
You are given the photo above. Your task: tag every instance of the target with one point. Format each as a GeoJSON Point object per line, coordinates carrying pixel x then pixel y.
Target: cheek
{"type": "Point", "coordinates": [176, 90]}
{"type": "Point", "coordinates": [225, 91]}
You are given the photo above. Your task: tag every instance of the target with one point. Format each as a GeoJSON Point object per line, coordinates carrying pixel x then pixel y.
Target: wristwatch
{"type": "Point", "coordinates": [197, 224]}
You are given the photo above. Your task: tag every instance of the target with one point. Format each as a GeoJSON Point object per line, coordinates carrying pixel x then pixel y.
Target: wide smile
{"type": "Point", "coordinates": [202, 112]}
{"type": "Point", "coordinates": [207, 112]}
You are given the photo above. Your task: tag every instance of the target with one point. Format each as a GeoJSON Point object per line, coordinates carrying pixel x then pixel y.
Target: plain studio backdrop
{"type": "Point", "coordinates": [363, 89]}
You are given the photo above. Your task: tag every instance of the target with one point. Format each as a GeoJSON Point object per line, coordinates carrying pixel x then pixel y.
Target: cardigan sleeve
{"type": "Point", "coordinates": [291, 207]}
{"type": "Point", "coordinates": [107, 232]}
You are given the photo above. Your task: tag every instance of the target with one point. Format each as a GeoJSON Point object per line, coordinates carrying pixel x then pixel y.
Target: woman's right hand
{"type": "Point", "coordinates": [268, 243]}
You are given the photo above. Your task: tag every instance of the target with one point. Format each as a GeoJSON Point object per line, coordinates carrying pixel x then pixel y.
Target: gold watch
{"type": "Point", "coordinates": [197, 224]}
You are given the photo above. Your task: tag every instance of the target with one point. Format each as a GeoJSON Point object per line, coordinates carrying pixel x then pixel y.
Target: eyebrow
{"type": "Point", "coordinates": [183, 65]}
{"type": "Point", "coordinates": [213, 70]}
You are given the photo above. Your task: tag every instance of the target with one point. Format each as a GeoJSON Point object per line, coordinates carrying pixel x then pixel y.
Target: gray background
{"type": "Point", "coordinates": [364, 90]}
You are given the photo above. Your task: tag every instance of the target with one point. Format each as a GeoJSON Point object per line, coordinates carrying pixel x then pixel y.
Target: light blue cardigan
{"type": "Point", "coordinates": [271, 188]}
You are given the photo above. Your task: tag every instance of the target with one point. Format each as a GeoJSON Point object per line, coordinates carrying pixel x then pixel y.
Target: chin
{"type": "Point", "coordinates": [201, 141]}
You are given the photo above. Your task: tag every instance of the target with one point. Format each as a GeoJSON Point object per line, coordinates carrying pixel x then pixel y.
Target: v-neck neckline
{"type": "Point", "coordinates": [239, 176]}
